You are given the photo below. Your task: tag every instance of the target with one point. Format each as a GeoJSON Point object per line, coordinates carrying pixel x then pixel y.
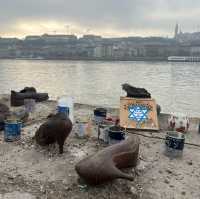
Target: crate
{"type": "Point", "coordinates": [137, 113]}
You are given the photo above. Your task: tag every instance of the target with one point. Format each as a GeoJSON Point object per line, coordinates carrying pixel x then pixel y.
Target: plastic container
{"type": "Point", "coordinates": [178, 122]}
{"type": "Point", "coordinates": [66, 105]}
{"type": "Point", "coordinates": [84, 129]}
{"type": "Point", "coordinates": [12, 130]}
{"type": "Point", "coordinates": [115, 134]}
{"type": "Point", "coordinates": [99, 114]}
{"type": "Point", "coordinates": [174, 144]}
{"type": "Point", "coordinates": [103, 133]}
{"type": "Point", "coordinates": [29, 105]}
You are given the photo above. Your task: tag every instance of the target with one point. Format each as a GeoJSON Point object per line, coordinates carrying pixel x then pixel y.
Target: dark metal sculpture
{"type": "Point", "coordinates": [28, 90]}
{"type": "Point", "coordinates": [106, 164]}
{"type": "Point", "coordinates": [55, 129]}
{"type": "Point", "coordinates": [17, 98]}
{"type": "Point", "coordinates": [135, 92]}
{"type": "Point", "coordinates": [138, 93]}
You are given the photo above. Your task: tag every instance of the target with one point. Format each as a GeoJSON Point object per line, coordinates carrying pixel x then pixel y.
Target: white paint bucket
{"type": "Point", "coordinates": [84, 129]}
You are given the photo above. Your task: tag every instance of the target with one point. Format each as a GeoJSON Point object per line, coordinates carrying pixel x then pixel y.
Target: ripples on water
{"type": "Point", "coordinates": [175, 86]}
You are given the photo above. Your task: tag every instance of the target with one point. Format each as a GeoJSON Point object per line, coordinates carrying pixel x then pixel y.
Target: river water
{"type": "Point", "coordinates": [175, 86]}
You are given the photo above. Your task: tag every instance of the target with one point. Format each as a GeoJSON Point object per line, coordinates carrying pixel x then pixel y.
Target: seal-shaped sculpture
{"type": "Point", "coordinates": [55, 130]}
{"type": "Point", "coordinates": [135, 92]}
{"type": "Point", "coordinates": [105, 165]}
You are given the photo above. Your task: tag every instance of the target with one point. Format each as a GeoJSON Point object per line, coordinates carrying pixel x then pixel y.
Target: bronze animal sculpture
{"type": "Point", "coordinates": [135, 92]}
{"type": "Point", "coordinates": [105, 165]}
{"type": "Point", "coordinates": [138, 93]}
{"type": "Point", "coordinates": [55, 130]}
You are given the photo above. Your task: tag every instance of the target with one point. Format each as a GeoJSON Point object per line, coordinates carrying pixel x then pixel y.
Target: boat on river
{"type": "Point", "coordinates": [183, 59]}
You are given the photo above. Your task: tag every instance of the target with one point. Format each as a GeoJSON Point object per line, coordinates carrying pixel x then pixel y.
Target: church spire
{"type": "Point", "coordinates": [176, 31]}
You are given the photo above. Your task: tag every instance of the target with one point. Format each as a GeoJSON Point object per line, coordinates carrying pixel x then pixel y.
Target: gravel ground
{"type": "Point", "coordinates": [30, 171]}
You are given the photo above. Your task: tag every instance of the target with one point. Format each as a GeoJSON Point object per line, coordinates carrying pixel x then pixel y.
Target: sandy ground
{"type": "Point", "coordinates": [30, 171]}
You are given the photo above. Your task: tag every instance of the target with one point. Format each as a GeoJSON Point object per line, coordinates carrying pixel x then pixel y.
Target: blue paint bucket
{"type": "Point", "coordinates": [174, 143]}
{"type": "Point", "coordinates": [64, 109]}
{"type": "Point", "coordinates": [12, 130]}
{"type": "Point", "coordinates": [99, 114]}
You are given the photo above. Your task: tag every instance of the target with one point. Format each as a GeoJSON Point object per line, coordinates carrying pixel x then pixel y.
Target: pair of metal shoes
{"type": "Point", "coordinates": [17, 98]}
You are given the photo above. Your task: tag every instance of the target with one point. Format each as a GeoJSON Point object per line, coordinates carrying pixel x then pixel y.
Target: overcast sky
{"type": "Point", "coordinates": [109, 18]}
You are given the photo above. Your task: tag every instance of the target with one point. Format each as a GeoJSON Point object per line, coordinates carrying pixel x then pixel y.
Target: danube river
{"type": "Point", "coordinates": [175, 86]}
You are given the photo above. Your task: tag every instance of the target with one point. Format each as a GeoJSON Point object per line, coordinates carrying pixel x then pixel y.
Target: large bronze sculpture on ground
{"type": "Point", "coordinates": [55, 129]}
{"type": "Point", "coordinates": [105, 165]}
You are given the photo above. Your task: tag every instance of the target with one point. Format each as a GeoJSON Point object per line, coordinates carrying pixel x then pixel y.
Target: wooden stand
{"type": "Point", "coordinates": [138, 113]}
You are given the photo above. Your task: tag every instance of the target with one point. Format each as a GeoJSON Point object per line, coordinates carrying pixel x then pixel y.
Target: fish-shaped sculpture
{"type": "Point", "coordinates": [105, 165]}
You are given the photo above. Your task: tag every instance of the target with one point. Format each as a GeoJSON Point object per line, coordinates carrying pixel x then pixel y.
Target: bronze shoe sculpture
{"type": "Point", "coordinates": [55, 129]}
{"type": "Point", "coordinates": [17, 98]}
{"type": "Point", "coordinates": [105, 165]}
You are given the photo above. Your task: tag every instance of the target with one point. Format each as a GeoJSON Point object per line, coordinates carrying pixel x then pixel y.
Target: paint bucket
{"type": "Point", "coordinates": [99, 114]}
{"type": "Point", "coordinates": [12, 130]}
{"type": "Point", "coordinates": [84, 129]}
{"type": "Point", "coordinates": [63, 109]}
{"type": "Point", "coordinates": [103, 133]}
{"type": "Point", "coordinates": [115, 134]}
{"type": "Point", "coordinates": [29, 105]}
{"type": "Point", "coordinates": [178, 122]}
{"type": "Point", "coordinates": [66, 106]}
{"type": "Point", "coordinates": [174, 143]}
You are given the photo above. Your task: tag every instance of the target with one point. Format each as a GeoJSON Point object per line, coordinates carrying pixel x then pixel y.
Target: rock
{"type": "Point", "coordinates": [183, 193]}
{"type": "Point", "coordinates": [134, 192]}
{"type": "Point", "coordinates": [42, 189]}
{"type": "Point", "coordinates": [190, 162]}
{"type": "Point", "coordinates": [154, 178]}
{"type": "Point", "coordinates": [142, 166]}
{"type": "Point", "coordinates": [166, 181]}
{"type": "Point", "coordinates": [168, 170]}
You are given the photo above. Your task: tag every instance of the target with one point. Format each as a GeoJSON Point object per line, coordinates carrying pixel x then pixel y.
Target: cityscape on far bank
{"type": "Point", "coordinates": [93, 47]}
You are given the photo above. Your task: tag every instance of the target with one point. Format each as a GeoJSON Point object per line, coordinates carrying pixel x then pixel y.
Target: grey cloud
{"type": "Point", "coordinates": [120, 15]}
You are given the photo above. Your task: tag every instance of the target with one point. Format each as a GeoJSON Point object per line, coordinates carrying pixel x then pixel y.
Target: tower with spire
{"type": "Point", "coordinates": [176, 31]}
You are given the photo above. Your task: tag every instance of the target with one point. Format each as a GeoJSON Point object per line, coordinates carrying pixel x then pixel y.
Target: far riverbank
{"type": "Point", "coordinates": [90, 59]}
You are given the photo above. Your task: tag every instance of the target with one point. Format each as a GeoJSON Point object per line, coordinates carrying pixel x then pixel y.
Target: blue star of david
{"type": "Point", "coordinates": [138, 113]}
